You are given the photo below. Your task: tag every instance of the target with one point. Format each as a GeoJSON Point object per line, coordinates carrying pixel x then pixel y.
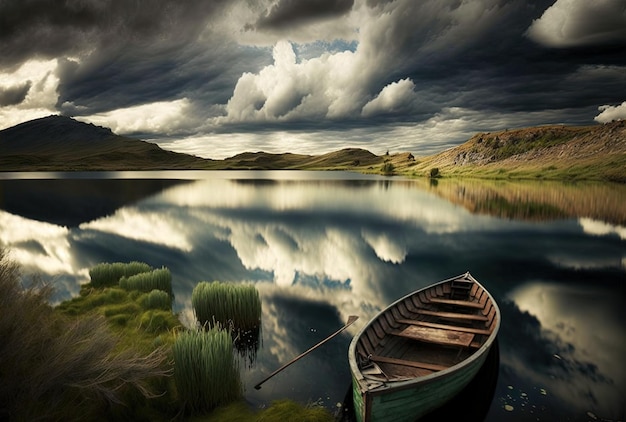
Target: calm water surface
{"type": "Point", "coordinates": [323, 246]}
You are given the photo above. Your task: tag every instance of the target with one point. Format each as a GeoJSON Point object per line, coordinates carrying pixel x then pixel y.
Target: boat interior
{"type": "Point", "coordinates": [427, 332]}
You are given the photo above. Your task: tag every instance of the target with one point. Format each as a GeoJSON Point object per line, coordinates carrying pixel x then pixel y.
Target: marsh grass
{"type": "Point", "coordinates": [205, 369]}
{"type": "Point", "coordinates": [156, 299]}
{"type": "Point", "coordinates": [107, 354]}
{"type": "Point", "coordinates": [56, 367]}
{"type": "Point", "coordinates": [109, 274]}
{"type": "Point", "coordinates": [159, 279]}
{"type": "Point", "coordinates": [231, 305]}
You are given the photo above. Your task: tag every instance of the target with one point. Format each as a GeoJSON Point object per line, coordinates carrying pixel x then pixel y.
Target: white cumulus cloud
{"type": "Point", "coordinates": [159, 117]}
{"type": "Point", "coordinates": [610, 113]}
{"type": "Point", "coordinates": [324, 86]}
{"type": "Point", "coordinates": [395, 96]}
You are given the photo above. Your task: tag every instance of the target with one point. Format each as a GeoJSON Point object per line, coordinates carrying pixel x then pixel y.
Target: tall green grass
{"type": "Point", "coordinates": [109, 274]}
{"type": "Point", "coordinates": [157, 299]}
{"type": "Point", "coordinates": [160, 279]}
{"type": "Point", "coordinates": [205, 369]}
{"type": "Point", "coordinates": [231, 305]}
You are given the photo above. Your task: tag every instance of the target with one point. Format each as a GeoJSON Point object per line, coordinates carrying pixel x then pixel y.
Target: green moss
{"type": "Point", "coordinates": [289, 411]}
{"type": "Point", "coordinates": [120, 320]}
{"type": "Point", "coordinates": [278, 411]}
{"type": "Point", "coordinates": [157, 321]}
{"type": "Point", "coordinates": [122, 308]}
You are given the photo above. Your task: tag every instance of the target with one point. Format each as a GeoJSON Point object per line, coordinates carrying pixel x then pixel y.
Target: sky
{"type": "Point", "coordinates": [215, 78]}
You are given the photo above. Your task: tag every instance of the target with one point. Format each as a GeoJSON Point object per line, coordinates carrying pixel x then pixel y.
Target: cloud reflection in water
{"type": "Point", "coordinates": [576, 343]}
{"type": "Point", "coordinates": [322, 250]}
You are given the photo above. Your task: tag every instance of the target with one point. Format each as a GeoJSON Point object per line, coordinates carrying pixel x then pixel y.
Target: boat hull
{"type": "Point", "coordinates": [422, 350]}
{"type": "Point", "coordinates": [411, 402]}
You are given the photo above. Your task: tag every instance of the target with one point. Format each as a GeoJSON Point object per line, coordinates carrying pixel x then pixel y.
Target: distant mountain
{"type": "Point", "coordinates": [49, 132]}
{"type": "Point", "coordinates": [57, 143]}
{"type": "Point", "coordinates": [598, 152]}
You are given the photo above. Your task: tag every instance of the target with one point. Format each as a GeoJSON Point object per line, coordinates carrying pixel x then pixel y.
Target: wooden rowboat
{"type": "Point", "coordinates": [423, 349]}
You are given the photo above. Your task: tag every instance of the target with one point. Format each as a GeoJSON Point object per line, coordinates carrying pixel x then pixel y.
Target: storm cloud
{"type": "Point", "coordinates": [286, 13]}
{"type": "Point", "coordinates": [14, 94]}
{"type": "Point", "coordinates": [569, 23]}
{"type": "Point", "coordinates": [347, 69]}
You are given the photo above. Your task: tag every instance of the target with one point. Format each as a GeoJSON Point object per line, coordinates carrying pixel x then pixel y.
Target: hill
{"type": "Point", "coordinates": [57, 143]}
{"type": "Point", "coordinates": [598, 152]}
{"type": "Point", "coordinates": [547, 152]}
{"type": "Point", "coordinates": [345, 159]}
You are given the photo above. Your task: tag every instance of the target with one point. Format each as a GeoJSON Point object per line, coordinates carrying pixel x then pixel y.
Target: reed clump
{"type": "Point", "coordinates": [109, 274]}
{"type": "Point", "coordinates": [159, 279]}
{"type": "Point", "coordinates": [206, 372]}
{"type": "Point", "coordinates": [156, 299]}
{"type": "Point", "coordinates": [231, 305]}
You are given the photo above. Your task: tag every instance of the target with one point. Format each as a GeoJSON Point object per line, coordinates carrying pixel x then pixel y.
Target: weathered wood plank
{"type": "Point", "coordinates": [464, 303]}
{"type": "Point", "coordinates": [415, 364]}
{"type": "Point", "coordinates": [445, 326]}
{"type": "Point", "coordinates": [452, 315]}
{"type": "Point", "coordinates": [436, 336]}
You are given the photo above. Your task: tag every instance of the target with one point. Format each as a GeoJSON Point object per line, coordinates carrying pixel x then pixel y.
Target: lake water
{"type": "Point", "coordinates": [321, 246]}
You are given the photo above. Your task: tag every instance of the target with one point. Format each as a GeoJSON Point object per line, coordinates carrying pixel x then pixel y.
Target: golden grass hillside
{"type": "Point", "coordinates": [551, 152]}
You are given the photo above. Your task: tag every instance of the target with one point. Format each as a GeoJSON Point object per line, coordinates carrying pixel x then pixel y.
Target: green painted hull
{"type": "Point", "coordinates": [411, 400]}
{"type": "Point", "coordinates": [404, 398]}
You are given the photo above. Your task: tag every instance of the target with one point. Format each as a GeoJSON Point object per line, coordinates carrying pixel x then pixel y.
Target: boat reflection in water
{"type": "Point", "coordinates": [472, 404]}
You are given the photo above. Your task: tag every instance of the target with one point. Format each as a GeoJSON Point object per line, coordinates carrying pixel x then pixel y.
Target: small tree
{"type": "Point", "coordinates": [434, 173]}
{"type": "Point", "coordinates": [388, 168]}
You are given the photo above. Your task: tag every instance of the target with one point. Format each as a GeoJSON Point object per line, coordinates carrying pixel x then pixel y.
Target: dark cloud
{"type": "Point", "coordinates": [15, 94]}
{"type": "Point", "coordinates": [476, 55]}
{"type": "Point", "coordinates": [135, 75]}
{"type": "Point", "coordinates": [581, 23]}
{"type": "Point", "coordinates": [350, 65]}
{"type": "Point", "coordinates": [48, 28]}
{"type": "Point", "coordinates": [288, 13]}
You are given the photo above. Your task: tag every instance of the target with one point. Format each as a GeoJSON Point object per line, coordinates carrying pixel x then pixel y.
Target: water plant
{"type": "Point", "coordinates": [156, 299]}
{"type": "Point", "coordinates": [159, 279]}
{"type": "Point", "coordinates": [109, 274]}
{"type": "Point", "coordinates": [232, 305]}
{"type": "Point", "coordinates": [206, 372]}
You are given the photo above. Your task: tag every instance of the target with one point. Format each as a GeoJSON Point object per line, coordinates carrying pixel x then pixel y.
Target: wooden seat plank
{"type": "Point", "coordinates": [445, 327]}
{"type": "Point", "coordinates": [457, 302]}
{"type": "Point", "coordinates": [414, 364]}
{"type": "Point", "coordinates": [452, 315]}
{"type": "Point", "coordinates": [436, 336]}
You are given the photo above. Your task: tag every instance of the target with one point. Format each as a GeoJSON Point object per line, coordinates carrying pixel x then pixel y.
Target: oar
{"type": "Point", "coordinates": [351, 319]}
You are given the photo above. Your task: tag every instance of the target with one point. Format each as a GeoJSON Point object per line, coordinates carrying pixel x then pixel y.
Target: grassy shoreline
{"type": "Point", "coordinates": [106, 354]}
